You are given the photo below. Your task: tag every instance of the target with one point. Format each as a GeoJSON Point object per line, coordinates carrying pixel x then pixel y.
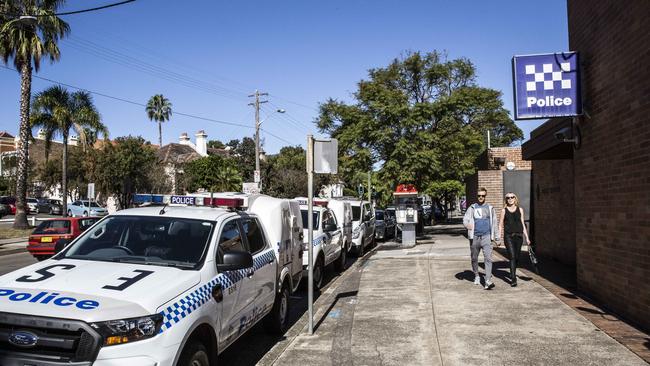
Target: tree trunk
{"type": "Point", "coordinates": [20, 221]}
{"type": "Point", "coordinates": [64, 175]}
{"type": "Point", "coordinates": [160, 133]}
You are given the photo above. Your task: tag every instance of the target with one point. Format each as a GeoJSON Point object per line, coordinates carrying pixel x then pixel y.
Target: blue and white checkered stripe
{"type": "Point", "coordinates": [185, 306]}
{"type": "Point", "coordinates": [318, 240]}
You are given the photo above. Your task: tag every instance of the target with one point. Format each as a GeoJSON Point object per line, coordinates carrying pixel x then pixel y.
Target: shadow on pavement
{"type": "Point", "coordinates": [339, 296]}
{"type": "Point", "coordinates": [252, 346]}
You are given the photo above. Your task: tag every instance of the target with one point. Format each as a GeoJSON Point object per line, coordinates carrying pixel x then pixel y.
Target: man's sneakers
{"type": "Point", "coordinates": [477, 280]}
{"type": "Point", "coordinates": [488, 285]}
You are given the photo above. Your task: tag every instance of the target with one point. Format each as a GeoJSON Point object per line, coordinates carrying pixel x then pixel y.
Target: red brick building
{"type": "Point", "coordinates": [592, 202]}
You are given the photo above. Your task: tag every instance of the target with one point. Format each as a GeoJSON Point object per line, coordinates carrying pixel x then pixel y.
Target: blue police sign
{"type": "Point", "coordinates": [547, 85]}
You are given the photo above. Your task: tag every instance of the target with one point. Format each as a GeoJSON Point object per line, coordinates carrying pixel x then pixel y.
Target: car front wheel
{"type": "Point", "coordinates": [277, 321]}
{"type": "Point", "coordinates": [194, 354]}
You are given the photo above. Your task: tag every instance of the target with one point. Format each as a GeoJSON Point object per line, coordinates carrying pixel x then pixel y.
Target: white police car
{"type": "Point", "coordinates": [161, 286]}
{"type": "Point", "coordinates": [328, 243]}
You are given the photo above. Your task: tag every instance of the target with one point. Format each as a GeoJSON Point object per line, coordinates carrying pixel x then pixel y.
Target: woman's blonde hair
{"type": "Point", "coordinates": [505, 201]}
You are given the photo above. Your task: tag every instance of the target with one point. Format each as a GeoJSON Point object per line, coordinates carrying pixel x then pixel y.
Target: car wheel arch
{"type": "Point", "coordinates": [204, 333]}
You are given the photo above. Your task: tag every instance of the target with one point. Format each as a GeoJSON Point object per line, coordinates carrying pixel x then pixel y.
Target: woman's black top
{"type": "Point", "coordinates": [512, 222]}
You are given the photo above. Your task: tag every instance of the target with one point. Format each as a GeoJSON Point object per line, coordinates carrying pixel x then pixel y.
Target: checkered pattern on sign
{"type": "Point", "coordinates": [547, 76]}
{"type": "Point", "coordinates": [186, 305]}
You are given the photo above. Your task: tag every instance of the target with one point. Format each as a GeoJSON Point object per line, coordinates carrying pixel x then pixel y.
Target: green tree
{"type": "Point", "coordinates": [444, 192]}
{"type": "Point", "coordinates": [212, 173]}
{"type": "Point", "coordinates": [58, 112]}
{"type": "Point", "coordinates": [122, 169]}
{"type": "Point", "coordinates": [422, 119]}
{"type": "Point", "coordinates": [29, 31]}
{"type": "Point", "coordinates": [243, 152]}
{"type": "Point", "coordinates": [216, 144]}
{"type": "Point", "coordinates": [159, 109]}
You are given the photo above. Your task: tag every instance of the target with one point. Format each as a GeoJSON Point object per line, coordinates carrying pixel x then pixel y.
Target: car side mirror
{"type": "Point", "coordinates": [60, 244]}
{"type": "Point", "coordinates": [233, 261]}
{"type": "Point", "coordinates": [330, 227]}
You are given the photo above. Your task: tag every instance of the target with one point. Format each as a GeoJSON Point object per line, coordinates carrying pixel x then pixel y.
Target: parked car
{"type": "Point", "coordinates": [384, 225]}
{"type": "Point", "coordinates": [32, 205]}
{"type": "Point", "coordinates": [4, 210]}
{"type": "Point", "coordinates": [47, 233]}
{"type": "Point", "coordinates": [11, 201]}
{"type": "Point", "coordinates": [51, 206]}
{"type": "Point", "coordinates": [86, 208]}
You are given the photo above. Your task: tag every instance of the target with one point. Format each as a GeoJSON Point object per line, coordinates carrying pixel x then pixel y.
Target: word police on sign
{"type": "Point", "coordinates": [183, 200]}
{"type": "Point", "coordinates": [547, 85]}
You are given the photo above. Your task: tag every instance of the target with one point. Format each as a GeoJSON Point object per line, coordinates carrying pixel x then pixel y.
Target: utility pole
{"type": "Point", "coordinates": [256, 104]}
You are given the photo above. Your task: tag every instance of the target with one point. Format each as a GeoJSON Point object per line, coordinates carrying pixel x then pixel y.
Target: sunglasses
{"type": "Point", "coordinates": [481, 195]}
{"type": "Point", "coordinates": [510, 197]}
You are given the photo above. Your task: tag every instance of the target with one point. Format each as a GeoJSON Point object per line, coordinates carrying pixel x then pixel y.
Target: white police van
{"type": "Point", "coordinates": [328, 243]}
{"type": "Point", "coordinates": [151, 286]}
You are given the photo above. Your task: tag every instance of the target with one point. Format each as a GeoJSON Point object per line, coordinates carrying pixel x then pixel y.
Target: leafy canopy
{"type": "Point", "coordinates": [421, 119]}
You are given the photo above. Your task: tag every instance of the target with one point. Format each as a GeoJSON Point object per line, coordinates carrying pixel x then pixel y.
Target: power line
{"type": "Point", "coordinates": [132, 102]}
{"type": "Point", "coordinates": [73, 12]}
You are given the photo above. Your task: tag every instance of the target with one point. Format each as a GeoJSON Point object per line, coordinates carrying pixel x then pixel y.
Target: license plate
{"type": "Point", "coordinates": [46, 239]}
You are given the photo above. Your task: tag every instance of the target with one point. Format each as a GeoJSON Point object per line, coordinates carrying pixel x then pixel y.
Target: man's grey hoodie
{"type": "Point", "coordinates": [494, 222]}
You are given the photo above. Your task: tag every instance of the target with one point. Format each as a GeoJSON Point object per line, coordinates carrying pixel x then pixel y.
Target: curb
{"type": "Point", "coordinates": [12, 251]}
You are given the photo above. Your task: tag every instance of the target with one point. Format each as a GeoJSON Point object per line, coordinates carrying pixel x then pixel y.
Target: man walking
{"type": "Point", "coordinates": [480, 220]}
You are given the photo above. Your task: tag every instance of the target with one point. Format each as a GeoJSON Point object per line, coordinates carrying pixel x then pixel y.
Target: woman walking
{"type": "Point", "coordinates": [514, 232]}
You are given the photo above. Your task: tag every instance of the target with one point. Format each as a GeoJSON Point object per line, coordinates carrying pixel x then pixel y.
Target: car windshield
{"type": "Point", "coordinates": [379, 215]}
{"type": "Point", "coordinates": [163, 241]}
{"type": "Point", "coordinates": [356, 213]}
{"type": "Point", "coordinates": [52, 227]}
{"type": "Point", "coordinates": [315, 215]}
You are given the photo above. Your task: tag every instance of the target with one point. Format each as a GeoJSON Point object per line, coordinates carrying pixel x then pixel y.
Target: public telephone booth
{"type": "Point", "coordinates": [406, 212]}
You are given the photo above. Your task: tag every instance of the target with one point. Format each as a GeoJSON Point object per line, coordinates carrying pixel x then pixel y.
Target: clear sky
{"type": "Point", "coordinates": [207, 56]}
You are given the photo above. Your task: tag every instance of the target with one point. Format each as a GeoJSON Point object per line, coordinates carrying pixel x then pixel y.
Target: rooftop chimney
{"type": "Point", "coordinates": [184, 139]}
{"type": "Point", "coordinates": [202, 143]}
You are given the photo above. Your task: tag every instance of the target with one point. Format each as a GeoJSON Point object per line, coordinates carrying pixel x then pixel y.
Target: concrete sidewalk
{"type": "Point", "coordinates": [419, 306]}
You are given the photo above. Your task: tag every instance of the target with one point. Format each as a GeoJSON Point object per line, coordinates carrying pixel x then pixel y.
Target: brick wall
{"type": "Point", "coordinates": [490, 175]}
{"type": "Point", "coordinates": [554, 210]}
{"type": "Point", "coordinates": [512, 154]}
{"type": "Point", "coordinates": [612, 168]}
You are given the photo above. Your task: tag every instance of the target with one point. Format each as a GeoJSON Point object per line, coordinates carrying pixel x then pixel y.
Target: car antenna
{"type": "Point", "coordinates": [162, 210]}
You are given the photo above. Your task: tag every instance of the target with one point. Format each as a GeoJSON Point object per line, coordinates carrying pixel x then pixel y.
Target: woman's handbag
{"type": "Point", "coordinates": [533, 258]}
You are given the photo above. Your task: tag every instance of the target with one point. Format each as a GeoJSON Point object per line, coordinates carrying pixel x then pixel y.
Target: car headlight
{"type": "Point", "coordinates": [128, 330]}
{"type": "Point", "coordinates": [356, 232]}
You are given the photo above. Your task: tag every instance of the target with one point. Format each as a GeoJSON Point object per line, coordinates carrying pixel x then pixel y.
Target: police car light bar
{"type": "Point", "coordinates": [228, 202]}
{"type": "Point", "coordinates": [320, 203]}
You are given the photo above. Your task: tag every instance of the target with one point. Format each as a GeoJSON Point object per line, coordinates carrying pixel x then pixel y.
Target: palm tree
{"type": "Point", "coordinates": [57, 112]}
{"type": "Point", "coordinates": [29, 31]}
{"type": "Point", "coordinates": [159, 109]}
{"type": "Point", "coordinates": [227, 180]}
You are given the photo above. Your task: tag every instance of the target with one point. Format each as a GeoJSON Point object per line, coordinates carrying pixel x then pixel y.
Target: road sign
{"type": "Point", "coordinates": [91, 191]}
{"type": "Point", "coordinates": [256, 176]}
{"type": "Point", "coordinates": [326, 158]}
{"type": "Point", "coordinates": [250, 188]}
{"type": "Point", "coordinates": [547, 85]}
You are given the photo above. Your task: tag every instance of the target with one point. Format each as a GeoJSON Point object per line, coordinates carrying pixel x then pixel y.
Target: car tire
{"type": "Point", "coordinates": [343, 257]}
{"type": "Point", "coordinates": [70, 213]}
{"type": "Point", "coordinates": [359, 250]}
{"type": "Point", "coordinates": [319, 272]}
{"type": "Point", "coordinates": [194, 354]}
{"type": "Point", "coordinates": [277, 321]}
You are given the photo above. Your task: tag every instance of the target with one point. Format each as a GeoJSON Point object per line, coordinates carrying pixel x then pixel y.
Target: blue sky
{"type": "Point", "coordinates": [207, 56]}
